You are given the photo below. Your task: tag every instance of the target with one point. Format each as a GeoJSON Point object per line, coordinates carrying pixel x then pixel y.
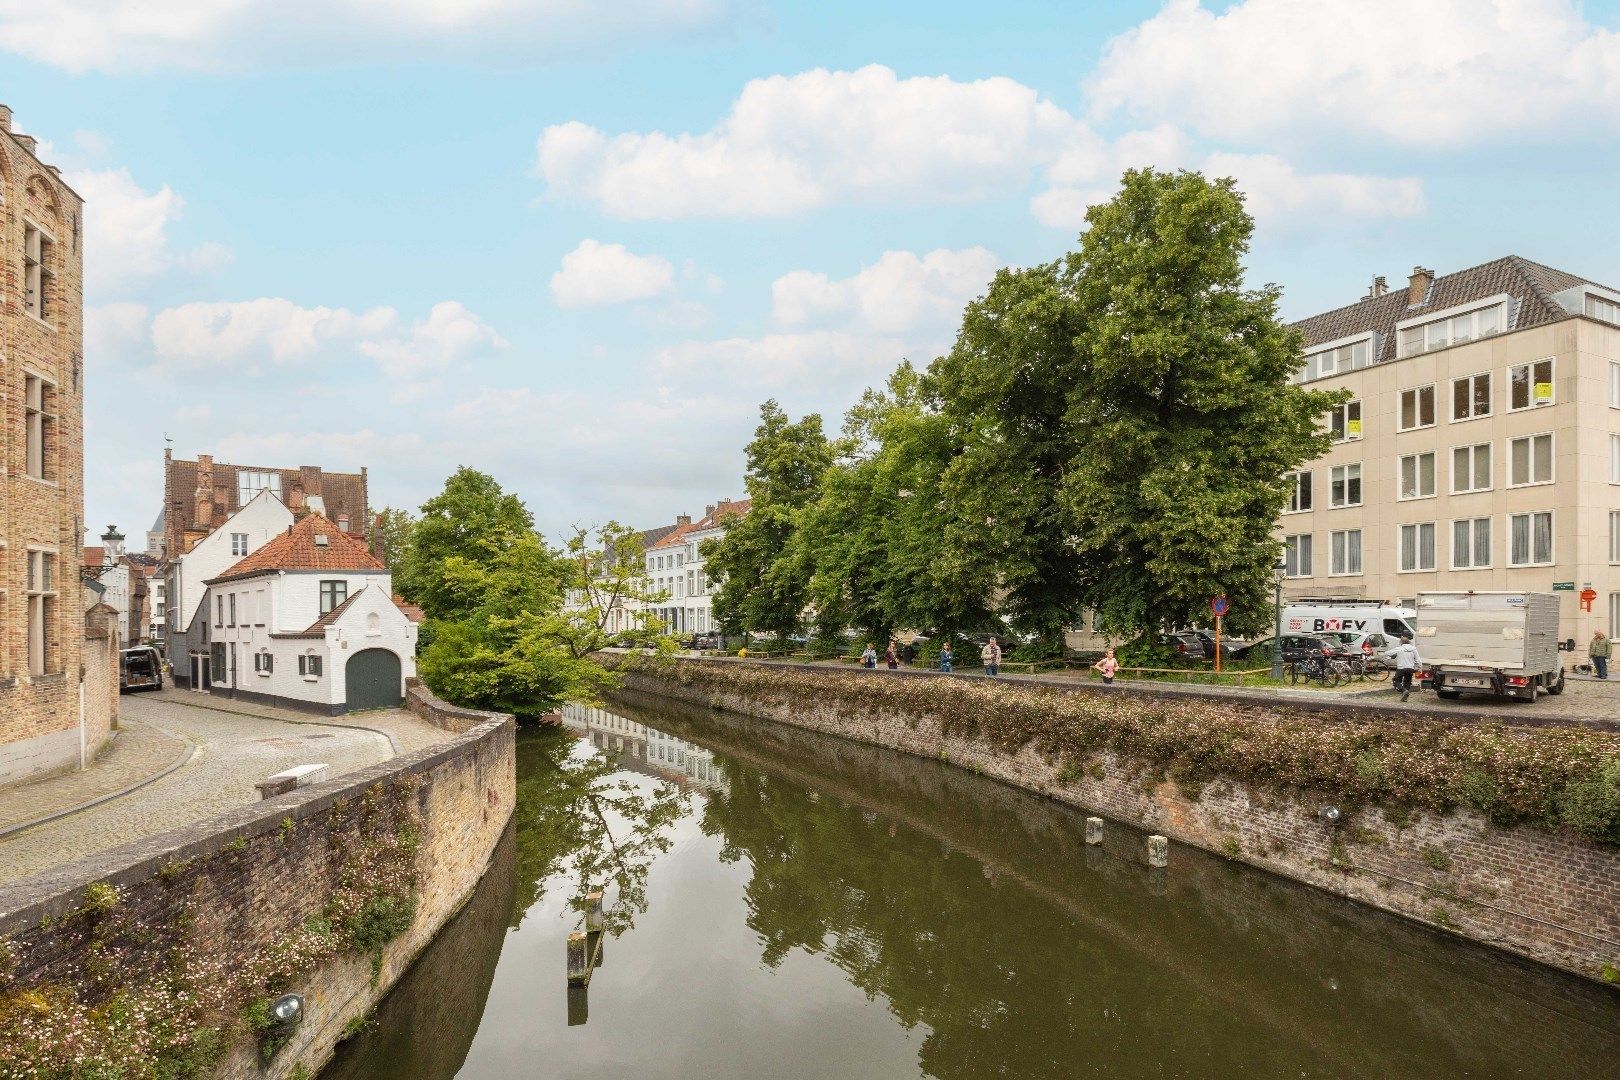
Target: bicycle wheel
{"type": "Point", "coordinates": [1377, 671]}
{"type": "Point", "coordinates": [1329, 677]}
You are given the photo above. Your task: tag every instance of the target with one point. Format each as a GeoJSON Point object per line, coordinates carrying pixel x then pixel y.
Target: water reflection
{"type": "Point", "coordinates": [824, 909]}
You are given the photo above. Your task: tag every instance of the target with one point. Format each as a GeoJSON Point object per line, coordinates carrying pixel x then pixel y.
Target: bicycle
{"type": "Point", "coordinates": [1316, 669]}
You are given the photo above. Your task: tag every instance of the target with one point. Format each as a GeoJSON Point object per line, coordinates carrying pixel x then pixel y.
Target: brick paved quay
{"type": "Point", "coordinates": [230, 746]}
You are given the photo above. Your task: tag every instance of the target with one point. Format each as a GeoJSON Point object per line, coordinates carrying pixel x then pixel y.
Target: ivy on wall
{"type": "Point", "coordinates": [98, 1024]}
{"type": "Point", "coordinates": [1553, 777]}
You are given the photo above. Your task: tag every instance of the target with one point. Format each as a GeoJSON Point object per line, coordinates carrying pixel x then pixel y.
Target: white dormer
{"type": "Point", "coordinates": [1593, 301]}
{"type": "Point", "coordinates": [1456, 325]}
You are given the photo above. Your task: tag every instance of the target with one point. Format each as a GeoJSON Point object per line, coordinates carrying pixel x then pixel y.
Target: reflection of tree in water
{"type": "Point", "coordinates": [582, 819]}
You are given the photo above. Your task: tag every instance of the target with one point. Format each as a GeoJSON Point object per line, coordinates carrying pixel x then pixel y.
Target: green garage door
{"type": "Point", "coordinates": [374, 683]}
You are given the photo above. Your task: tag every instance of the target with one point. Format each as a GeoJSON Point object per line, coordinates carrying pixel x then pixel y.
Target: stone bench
{"type": "Point", "coordinates": [296, 777]}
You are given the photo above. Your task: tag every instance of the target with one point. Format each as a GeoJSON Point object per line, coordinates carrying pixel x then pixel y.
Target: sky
{"type": "Point", "coordinates": [578, 249]}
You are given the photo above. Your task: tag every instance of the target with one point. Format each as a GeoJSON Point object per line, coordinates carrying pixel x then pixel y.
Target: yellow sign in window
{"type": "Point", "coordinates": [1543, 391]}
{"type": "Point", "coordinates": [1354, 428]}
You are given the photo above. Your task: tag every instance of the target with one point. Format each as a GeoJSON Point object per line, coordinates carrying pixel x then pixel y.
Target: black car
{"type": "Point", "coordinates": [1295, 646]}
{"type": "Point", "coordinates": [711, 640]}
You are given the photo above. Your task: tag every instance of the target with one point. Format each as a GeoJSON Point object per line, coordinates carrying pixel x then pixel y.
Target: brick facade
{"type": "Point", "coordinates": [1549, 896]}
{"type": "Point", "coordinates": [39, 711]}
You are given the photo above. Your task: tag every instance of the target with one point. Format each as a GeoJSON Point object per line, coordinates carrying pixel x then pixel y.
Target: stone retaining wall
{"type": "Point", "coordinates": [1551, 896]}
{"type": "Point", "coordinates": [224, 890]}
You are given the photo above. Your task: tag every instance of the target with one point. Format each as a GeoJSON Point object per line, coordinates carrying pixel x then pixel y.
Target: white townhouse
{"type": "Point", "coordinates": [309, 621]}
{"type": "Point", "coordinates": [675, 565]}
{"type": "Point", "coordinates": [185, 635]}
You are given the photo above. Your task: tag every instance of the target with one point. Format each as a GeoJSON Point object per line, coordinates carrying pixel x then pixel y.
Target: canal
{"type": "Point", "coordinates": [788, 905]}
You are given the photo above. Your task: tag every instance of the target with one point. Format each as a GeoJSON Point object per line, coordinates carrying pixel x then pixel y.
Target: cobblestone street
{"type": "Point", "coordinates": [231, 746]}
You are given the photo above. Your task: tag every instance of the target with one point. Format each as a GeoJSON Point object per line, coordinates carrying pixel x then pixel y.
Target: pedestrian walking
{"type": "Point", "coordinates": [945, 657]}
{"type": "Point", "coordinates": [891, 658]}
{"type": "Point", "coordinates": [869, 657]}
{"type": "Point", "coordinates": [990, 657]}
{"type": "Point", "coordinates": [1107, 666]}
{"type": "Point", "coordinates": [1406, 660]}
{"type": "Point", "coordinates": [1599, 652]}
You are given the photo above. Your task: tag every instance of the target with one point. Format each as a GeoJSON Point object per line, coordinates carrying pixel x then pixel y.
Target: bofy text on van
{"type": "Point", "coordinates": [1368, 617]}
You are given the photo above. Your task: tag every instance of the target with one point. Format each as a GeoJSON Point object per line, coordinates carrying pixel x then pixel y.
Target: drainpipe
{"type": "Point", "coordinates": [81, 722]}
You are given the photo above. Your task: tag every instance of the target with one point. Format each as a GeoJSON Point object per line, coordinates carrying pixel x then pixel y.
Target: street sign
{"type": "Point", "coordinates": [1219, 607]}
{"type": "Point", "coordinates": [1563, 586]}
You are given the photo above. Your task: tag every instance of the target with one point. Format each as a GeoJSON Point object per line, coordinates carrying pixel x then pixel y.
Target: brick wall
{"type": "Point", "coordinates": [1549, 896]}
{"type": "Point", "coordinates": [39, 714]}
{"type": "Point", "coordinates": [101, 661]}
{"type": "Point", "coordinates": [226, 888]}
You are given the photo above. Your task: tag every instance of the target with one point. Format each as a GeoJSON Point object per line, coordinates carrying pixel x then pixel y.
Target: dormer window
{"type": "Point", "coordinates": [1601, 307]}
{"type": "Point", "coordinates": [1453, 327]}
{"type": "Point", "coordinates": [1337, 357]}
{"type": "Point", "coordinates": [249, 483]}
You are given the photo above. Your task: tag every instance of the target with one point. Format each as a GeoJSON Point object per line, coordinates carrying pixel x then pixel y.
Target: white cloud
{"type": "Point", "coordinates": [793, 143]}
{"type": "Point", "coordinates": [213, 35]}
{"type": "Point", "coordinates": [1446, 72]}
{"type": "Point", "coordinates": [449, 335]}
{"type": "Point", "coordinates": [253, 332]}
{"type": "Point", "coordinates": [595, 273]}
{"type": "Point", "coordinates": [127, 233]}
{"type": "Point", "coordinates": [900, 292]}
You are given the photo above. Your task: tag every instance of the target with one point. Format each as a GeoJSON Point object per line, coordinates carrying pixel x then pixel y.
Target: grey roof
{"type": "Point", "coordinates": [1530, 283]}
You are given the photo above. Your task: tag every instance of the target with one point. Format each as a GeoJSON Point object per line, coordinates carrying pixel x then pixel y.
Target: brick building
{"type": "Point", "coordinates": [42, 439]}
{"type": "Point", "coordinates": [198, 496]}
{"type": "Point", "coordinates": [1481, 449]}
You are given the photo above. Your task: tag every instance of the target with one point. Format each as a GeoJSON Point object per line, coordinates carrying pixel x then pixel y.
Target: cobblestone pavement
{"type": "Point", "coordinates": [138, 752]}
{"type": "Point", "coordinates": [236, 748]}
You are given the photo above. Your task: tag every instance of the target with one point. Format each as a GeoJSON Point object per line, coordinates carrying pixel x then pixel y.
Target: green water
{"type": "Point", "coordinates": [786, 905]}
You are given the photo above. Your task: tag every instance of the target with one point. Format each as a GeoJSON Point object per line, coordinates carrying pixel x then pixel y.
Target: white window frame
{"type": "Point", "coordinates": [1294, 566]}
{"type": "Point", "coordinates": [1417, 460]}
{"type": "Point", "coordinates": [1552, 538]}
{"type": "Point", "coordinates": [1310, 368]}
{"type": "Point", "coordinates": [239, 544]}
{"type": "Point", "coordinates": [1417, 528]}
{"type": "Point", "coordinates": [250, 482]}
{"type": "Point", "coordinates": [1417, 410]}
{"type": "Point", "coordinates": [1614, 459]}
{"type": "Point", "coordinates": [1302, 482]}
{"type": "Point", "coordinates": [1490, 397]}
{"type": "Point", "coordinates": [1360, 485]}
{"type": "Point", "coordinates": [1592, 300]}
{"type": "Point", "coordinates": [1614, 384]}
{"type": "Point", "coordinates": [1614, 614]}
{"type": "Point", "coordinates": [1341, 414]}
{"type": "Point", "coordinates": [1472, 450]}
{"type": "Point", "coordinates": [1333, 553]}
{"type": "Point", "coordinates": [1504, 301]}
{"type": "Point", "coordinates": [1614, 537]}
{"type": "Point", "coordinates": [1552, 384]}
{"type": "Point", "coordinates": [1474, 562]}
{"type": "Point", "coordinates": [1552, 459]}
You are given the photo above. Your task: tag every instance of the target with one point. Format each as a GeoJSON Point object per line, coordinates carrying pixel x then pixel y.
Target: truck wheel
{"type": "Point", "coordinates": [1557, 687]}
{"type": "Point", "coordinates": [1449, 695]}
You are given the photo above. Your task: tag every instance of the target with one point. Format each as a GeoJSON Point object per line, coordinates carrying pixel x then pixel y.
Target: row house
{"type": "Point", "coordinates": [43, 725]}
{"type": "Point", "coordinates": [676, 567]}
{"type": "Point", "coordinates": [308, 620]}
{"type": "Point", "coordinates": [1480, 447]}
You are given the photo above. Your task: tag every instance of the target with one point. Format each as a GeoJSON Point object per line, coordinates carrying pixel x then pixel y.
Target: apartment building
{"type": "Point", "coordinates": [198, 497]}
{"type": "Point", "coordinates": [675, 565]}
{"type": "Point", "coordinates": [1481, 447]}
{"type": "Point", "coordinates": [42, 438]}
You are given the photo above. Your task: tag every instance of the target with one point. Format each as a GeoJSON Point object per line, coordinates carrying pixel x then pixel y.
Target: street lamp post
{"type": "Point", "coordinates": [1278, 572]}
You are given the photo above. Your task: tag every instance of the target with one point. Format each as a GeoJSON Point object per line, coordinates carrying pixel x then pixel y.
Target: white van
{"type": "Point", "coordinates": [1369, 616]}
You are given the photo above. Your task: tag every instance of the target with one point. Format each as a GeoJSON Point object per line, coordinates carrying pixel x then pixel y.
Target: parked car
{"type": "Point", "coordinates": [1294, 646]}
{"type": "Point", "coordinates": [1369, 644]}
{"type": "Point", "coordinates": [713, 639]}
{"type": "Point", "coordinates": [1200, 645]}
{"type": "Point", "coordinates": [140, 668]}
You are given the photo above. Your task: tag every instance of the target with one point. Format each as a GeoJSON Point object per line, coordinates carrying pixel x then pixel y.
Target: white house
{"type": "Point", "coordinates": [309, 621]}
{"type": "Point", "coordinates": [675, 565]}
{"type": "Point", "coordinates": [186, 629]}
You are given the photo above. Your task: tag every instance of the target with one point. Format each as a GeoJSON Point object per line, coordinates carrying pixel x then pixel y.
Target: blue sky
{"type": "Point", "coordinates": [578, 251]}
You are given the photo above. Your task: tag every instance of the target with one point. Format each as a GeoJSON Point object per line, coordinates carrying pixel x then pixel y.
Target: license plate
{"type": "Point", "coordinates": [1474, 681]}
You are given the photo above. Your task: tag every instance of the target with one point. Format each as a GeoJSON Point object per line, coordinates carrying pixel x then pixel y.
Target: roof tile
{"type": "Point", "coordinates": [296, 549]}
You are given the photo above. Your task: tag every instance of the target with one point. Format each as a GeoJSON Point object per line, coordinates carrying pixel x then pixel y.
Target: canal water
{"type": "Point", "coordinates": [791, 906]}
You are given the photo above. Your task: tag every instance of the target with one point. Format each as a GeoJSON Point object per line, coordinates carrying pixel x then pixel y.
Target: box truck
{"type": "Point", "coordinates": [1502, 643]}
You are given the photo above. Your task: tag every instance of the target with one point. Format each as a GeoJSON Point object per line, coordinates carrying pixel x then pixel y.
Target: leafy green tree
{"type": "Point", "coordinates": [391, 538]}
{"type": "Point", "coordinates": [473, 520]}
{"type": "Point", "coordinates": [1182, 421]}
{"type": "Point", "coordinates": [1004, 391]}
{"type": "Point", "coordinates": [763, 586]}
{"type": "Point", "coordinates": [607, 573]}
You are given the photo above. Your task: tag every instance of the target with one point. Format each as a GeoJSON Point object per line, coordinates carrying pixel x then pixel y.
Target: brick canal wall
{"type": "Point", "coordinates": [1550, 895]}
{"type": "Point", "coordinates": [226, 892]}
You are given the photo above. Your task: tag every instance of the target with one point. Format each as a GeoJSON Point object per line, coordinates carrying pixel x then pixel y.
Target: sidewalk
{"type": "Point", "coordinates": [228, 747]}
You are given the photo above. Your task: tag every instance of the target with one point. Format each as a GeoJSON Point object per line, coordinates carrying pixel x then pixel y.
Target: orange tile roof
{"type": "Point", "coordinates": [673, 537]}
{"type": "Point", "coordinates": [94, 556]}
{"type": "Point", "coordinates": [296, 549]}
{"type": "Point", "coordinates": [730, 508]}
{"type": "Point", "coordinates": [412, 612]}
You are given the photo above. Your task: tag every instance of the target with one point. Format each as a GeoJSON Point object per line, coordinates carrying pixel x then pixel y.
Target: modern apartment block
{"type": "Point", "coordinates": [42, 439]}
{"type": "Point", "coordinates": [1481, 449]}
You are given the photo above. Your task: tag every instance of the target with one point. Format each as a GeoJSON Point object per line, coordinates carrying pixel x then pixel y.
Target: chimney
{"type": "Point", "coordinates": [708, 511]}
{"type": "Point", "coordinates": [5, 118]}
{"type": "Point", "coordinates": [1378, 288]}
{"type": "Point", "coordinates": [1418, 286]}
{"type": "Point", "coordinates": [205, 492]}
{"type": "Point", "coordinates": [683, 519]}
